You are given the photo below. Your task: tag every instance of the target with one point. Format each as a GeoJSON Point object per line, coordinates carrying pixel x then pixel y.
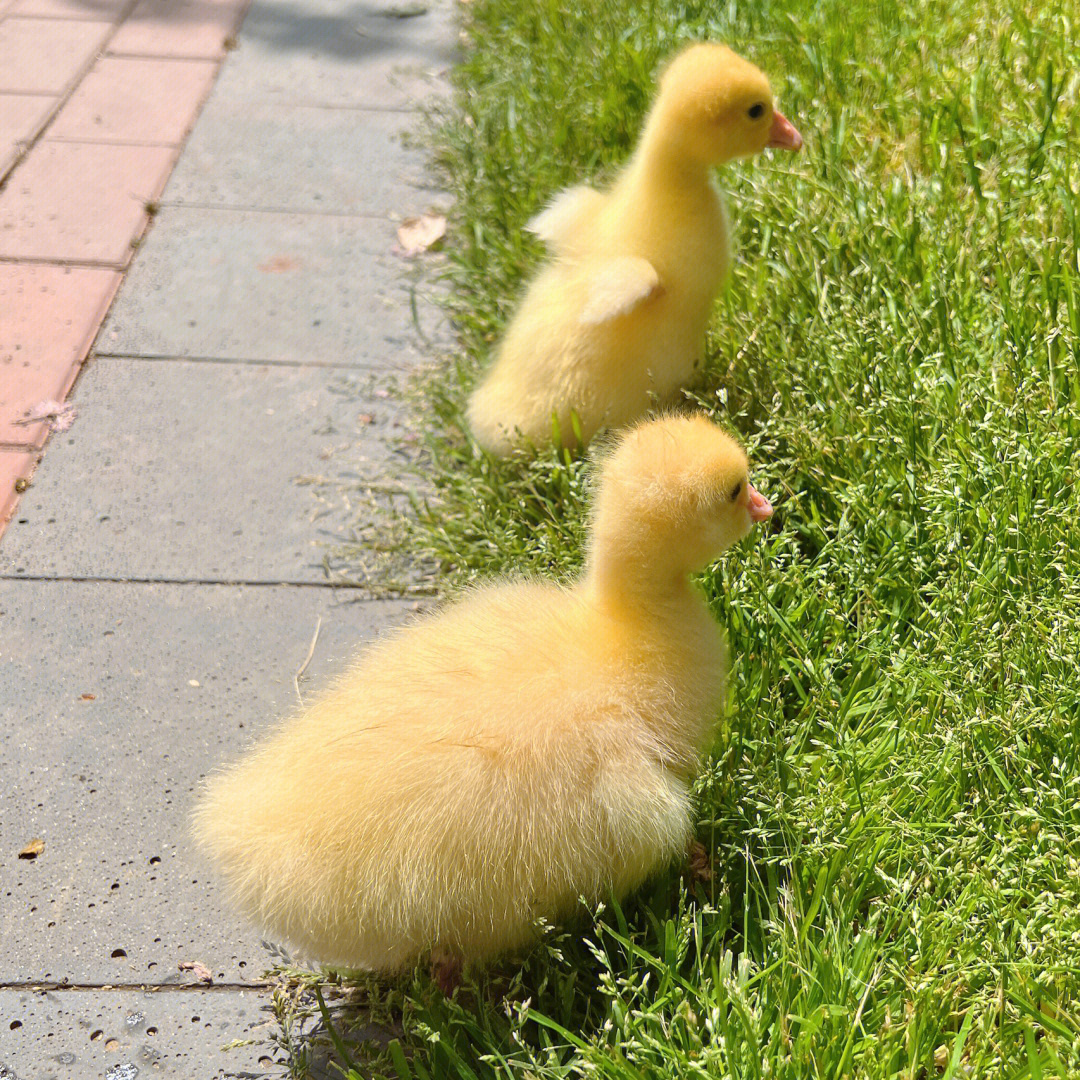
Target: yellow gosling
{"type": "Point", "coordinates": [615, 321]}
{"type": "Point", "coordinates": [527, 745]}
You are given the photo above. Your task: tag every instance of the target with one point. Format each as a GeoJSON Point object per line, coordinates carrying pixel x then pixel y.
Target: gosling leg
{"type": "Point", "coordinates": [445, 971]}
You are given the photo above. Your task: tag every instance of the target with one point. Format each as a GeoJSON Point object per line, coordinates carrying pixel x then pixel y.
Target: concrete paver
{"type": "Point", "coordinates": [249, 478]}
{"type": "Point", "coordinates": [118, 700]}
{"type": "Point", "coordinates": [181, 28]}
{"type": "Point", "coordinates": [80, 201]}
{"type": "Point", "coordinates": [301, 288]}
{"type": "Point", "coordinates": [87, 1035]}
{"type": "Point", "coordinates": [130, 99]}
{"type": "Point", "coordinates": [96, 10]}
{"type": "Point", "coordinates": [43, 56]}
{"type": "Point", "coordinates": [302, 158]}
{"type": "Point", "coordinates": [21, 116]}
{"type": "Point", "coordinates": [51, 314]}
{"type": "Point", "coordinates": [342, 54]}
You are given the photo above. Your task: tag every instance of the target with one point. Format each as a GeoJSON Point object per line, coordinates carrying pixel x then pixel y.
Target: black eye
{"type": "Point", "coordinates": [735, 492]}
{"type": "Point", "coordinates": [757, 111]}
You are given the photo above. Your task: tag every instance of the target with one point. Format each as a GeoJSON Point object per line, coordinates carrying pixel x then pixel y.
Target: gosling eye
{"type": "Point", "coordinates": [756, 111]}
{"type": "Point", "coordinates": [736, 490]}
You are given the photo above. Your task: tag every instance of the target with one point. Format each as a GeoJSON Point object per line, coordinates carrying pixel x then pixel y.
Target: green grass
{"type": "Point", "coordinates": [894, 812]}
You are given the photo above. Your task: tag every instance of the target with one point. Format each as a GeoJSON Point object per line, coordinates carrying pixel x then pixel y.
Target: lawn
{"type": "Point", "coordinates": [893, 809]}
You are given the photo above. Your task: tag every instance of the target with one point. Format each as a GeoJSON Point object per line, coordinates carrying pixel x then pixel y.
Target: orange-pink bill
{"type": "Point", "coordinates": [760, 508]}
{"type": "Point", "coordinates": [784, 134]}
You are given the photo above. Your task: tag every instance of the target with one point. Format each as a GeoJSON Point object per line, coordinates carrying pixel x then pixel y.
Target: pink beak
{"type": "Point", "coordinates": [760, 508]}
{"type": "Point", "coordinates": [784, 134]}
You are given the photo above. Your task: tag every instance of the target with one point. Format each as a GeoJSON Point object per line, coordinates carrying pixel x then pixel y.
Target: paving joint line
{"type": "Point", "coordinates": [219, 60]}
{"type": "Point", "coordinates": [292, 210]}
{"type": "Point", "coordinates": [233, 583]}
{"type": "Point", "coordinates": [400, 110]}
{"type": "Point", "coordinates": [381, 367]}
{"type": "Point", "coordinates": [305, 212]}
{"type": "Point", "coordinates": [52, 16]}
{"type": "Point", "coordinates": [391, 110]}
{"type": "Point", "coordinates": [150, 988]}
{"type": "Point", "coordinates": [69, 140]}
{"type": "Point", "coordinates": [23, 93]}
{"type": "Point", "coordinates": [76, 264]}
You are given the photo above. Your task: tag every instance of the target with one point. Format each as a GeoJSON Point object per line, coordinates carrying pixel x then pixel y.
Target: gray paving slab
{"type": "Point", "coordinates": [119, 1035]}
{"type": "Point", "coordinates": [298, 288]}
{"type": "Point", "coordinates": [330, 53]}
{"type": "Point", "coordinates": [178, 470]}
{"type": "Point", "coordinates": [117, 700]}
{"type": "Point", "coordinates": [305, 158]}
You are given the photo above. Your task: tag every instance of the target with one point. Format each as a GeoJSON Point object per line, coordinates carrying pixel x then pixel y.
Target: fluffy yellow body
{"type": "Point", "coordinates": [479, 769]}
{"type": "Point", "coordinates": [551, 362]}
{"type": "Point", "coordinates": [614, 323]}
{"type": "Point", "coordinates": [493, 762]}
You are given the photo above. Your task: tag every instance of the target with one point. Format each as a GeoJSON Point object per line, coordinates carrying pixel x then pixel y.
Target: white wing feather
{"type": "Point", "coordinates": [617, 286]}
{"type": "Point", "coordinates": [561, 219]}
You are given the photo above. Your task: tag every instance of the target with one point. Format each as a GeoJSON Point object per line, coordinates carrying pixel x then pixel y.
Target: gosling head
{"type": "Point", "coordinates": [714, 106]}
{"type": "Point", "coordinates": [673, 496]}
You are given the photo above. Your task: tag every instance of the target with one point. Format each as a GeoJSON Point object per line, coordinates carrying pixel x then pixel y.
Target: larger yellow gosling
{"type": "Point", "coordinates": [616, 320]}
{"type": "Point", "coordinates": [529, 744]}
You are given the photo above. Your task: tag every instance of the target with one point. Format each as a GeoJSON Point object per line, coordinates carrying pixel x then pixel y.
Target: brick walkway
{"type": "Point", "coordinates": [96, 99]}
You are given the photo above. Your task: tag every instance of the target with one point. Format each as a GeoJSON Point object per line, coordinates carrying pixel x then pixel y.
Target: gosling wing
{"type": "Point", "coordinates": [617, 286]}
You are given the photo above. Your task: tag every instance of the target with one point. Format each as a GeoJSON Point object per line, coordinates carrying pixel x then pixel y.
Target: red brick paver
{"type": "Point", "coordinates": [44, 56]}
{"type": "Point", "coordinates": [51, 314]}
{"type": "Point", "coordinates": [185, 28]}
{"type": "Point", "coordinates": [80, 202]}
{"type": "Point", "coordinates": [94, 105]}
{"type": "Point", "coordinates": [129, 99]}
{"type": "Point", "coordinates": [99, 10]}
{"type": "Point", "coordinates": [21, 115]}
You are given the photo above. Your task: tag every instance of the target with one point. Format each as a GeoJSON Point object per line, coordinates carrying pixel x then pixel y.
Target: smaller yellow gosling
{"type": "Point", "coordinates": [615, 321]}
{"type": "Point", "coordinates": [491, 763]}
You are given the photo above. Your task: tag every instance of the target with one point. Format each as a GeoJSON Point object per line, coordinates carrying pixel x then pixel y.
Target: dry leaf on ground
{"type": "Point", "coordinates": [418, 234]}
{"type": "Point", "coordinates": [200, 971]}
{"type": "Point", "coordinates": [33, 849]}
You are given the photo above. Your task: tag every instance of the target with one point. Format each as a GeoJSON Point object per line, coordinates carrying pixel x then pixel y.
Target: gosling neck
{"type": "Point", "coordinates": [632, 574]}
{"type": "Point", "coordinates": [661, 164]}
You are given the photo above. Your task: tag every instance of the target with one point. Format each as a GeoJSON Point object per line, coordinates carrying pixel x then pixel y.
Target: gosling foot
{"type": "Point", "coordinates": [699, 863]}
{"type": "Point", "coordinates": [445, 971]}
